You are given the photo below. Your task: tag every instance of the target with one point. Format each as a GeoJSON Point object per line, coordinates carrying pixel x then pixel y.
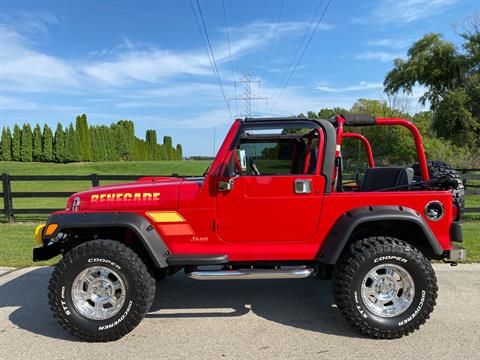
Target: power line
{"type": "Point", "coordinates": [274, 36]}
{"type": "Point", "coordinates": [211, 56]}
{"type": "Point", "coordinates": [228, 40]}
{"type": "Point", "coordinates": [304, 49]}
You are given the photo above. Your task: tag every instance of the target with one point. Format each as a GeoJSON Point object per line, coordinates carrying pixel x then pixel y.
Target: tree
{"type": "Point", "coordinates": [432, 62]}
{"type": "Point", "coordinates": [37, 143]}
{"type": "Point", "coordinates": [47, 144]}
{"type": "Point", "coordinates": [26, 149]}
{"type": "Point", "coordinates": [6, 144]}
{"type": "Point", "coordinates": [59, 144]}
{"type": "Point", "coordinates": [81, 127]}
{"type": "Point", "coordinates": [179, 152]}
{"type": "Point", "coordinates": [454, 120]}
{"type": "Point", "coordinates": [16, 143]}
{"type": "Point", "coordinates": [452, 82]}
{"type": "Point", "coordinates": [167, 143]}
{"type": "Point", "coordinates": [72, 145]}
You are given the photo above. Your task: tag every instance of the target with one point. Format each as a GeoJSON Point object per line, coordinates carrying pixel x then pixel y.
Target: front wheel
{"type": "Point", "coordinates": [100, 290]}
{"type": "Point", "coordinates": [385, 287]}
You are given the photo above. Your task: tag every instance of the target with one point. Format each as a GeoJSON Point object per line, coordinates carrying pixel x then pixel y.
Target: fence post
{"type": "Point", "coordinates": [7, 197]}
{"type": "Point", "coordinates": [94, 178]}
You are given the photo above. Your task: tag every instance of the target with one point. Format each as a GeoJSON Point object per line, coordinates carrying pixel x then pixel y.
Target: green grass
{"type": "Point", "coordinates": [17, 242]}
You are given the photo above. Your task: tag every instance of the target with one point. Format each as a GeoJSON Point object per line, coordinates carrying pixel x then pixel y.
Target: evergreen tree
{"type": "Point", "coordinates": [83, 133]}
{"type": "Point", "coordinates": [72, 145]}
{"type": "Point", "coordinates": [47, 144]}
{"type": "Point", "coordinates": [6, 144]}
{"type": "Point", "coordinates": [179, 152]}
{"type": "Point", "coordinates": [16, 143]}
{"type": "Point", "coordinates": [167, 143]}
{"type": "Point", "coordinates": [26, 149]}
{"type": "Point", "coordinates": [37, 143]}
{"type": "Point", "coordinates": [59, 144]}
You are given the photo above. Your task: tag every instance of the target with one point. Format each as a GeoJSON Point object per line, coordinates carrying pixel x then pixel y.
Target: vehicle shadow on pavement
{"type": "Point", "coordinates": [305, 304]}
{"type": "Point", "coordinates": [28, 293]}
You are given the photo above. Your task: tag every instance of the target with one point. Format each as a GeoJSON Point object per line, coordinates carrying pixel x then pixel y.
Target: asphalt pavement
{"type": "Point", "coordinates": [262, 319]}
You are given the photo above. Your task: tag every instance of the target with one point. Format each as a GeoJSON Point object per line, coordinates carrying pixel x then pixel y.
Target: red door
{"type": "Point", "coordinates": [281, 208]}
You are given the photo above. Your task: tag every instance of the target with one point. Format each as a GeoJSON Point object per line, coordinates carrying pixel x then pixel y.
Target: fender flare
{"type": "Point", "coordinates": [141, 227]}
{"type": "Point", "coordinates": [337, 238]}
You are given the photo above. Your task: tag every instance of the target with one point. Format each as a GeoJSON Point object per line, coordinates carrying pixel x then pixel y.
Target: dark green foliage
{"type": "Point", "coordinates": [59, 144]}
{"type": "Point", "coordinates": [26, 149]}
{"type": "Point", "coordinates": [72, 145]}
{"type": "Point", "coordinates": [6, 146]}
{"type": "Point", "coordinates": [81, 128]}
{"type": "Point", "coordinates": [179, 152]}
{"type": "Point", "coordinates": [47, 144]}
{"type": "Point", "coordinates": [105, 143]}
{"type": "Point", "coordinates": [16, 143]}
{"type": "Point", "coordinates": [167, 143]}
{"type": "Point", "coordinates": [450, 75]}
{"type": "Point", "coordinates": [37, 144]}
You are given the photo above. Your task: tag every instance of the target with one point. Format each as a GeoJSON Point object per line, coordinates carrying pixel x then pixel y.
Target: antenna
{"type": "Point", "coordinates": [247, 96]}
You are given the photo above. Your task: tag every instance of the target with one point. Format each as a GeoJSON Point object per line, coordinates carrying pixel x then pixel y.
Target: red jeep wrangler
{"type": "Point", "coordinates": [273, 205]}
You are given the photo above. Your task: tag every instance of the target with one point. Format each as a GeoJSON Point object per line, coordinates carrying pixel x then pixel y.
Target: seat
{"type": "Point", "coordinates": [381, 178]}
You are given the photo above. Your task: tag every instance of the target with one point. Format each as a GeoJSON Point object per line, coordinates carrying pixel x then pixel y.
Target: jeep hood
{"type": "Point", "coordinates": [145, 193]}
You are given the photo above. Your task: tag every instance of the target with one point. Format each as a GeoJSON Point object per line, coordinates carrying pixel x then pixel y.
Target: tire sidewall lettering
{"type": "Point", "coordinates": [104, 261]}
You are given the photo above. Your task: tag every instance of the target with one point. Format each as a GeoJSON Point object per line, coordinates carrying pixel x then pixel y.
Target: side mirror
{"type": "Point", "coordinates": [226, 185]}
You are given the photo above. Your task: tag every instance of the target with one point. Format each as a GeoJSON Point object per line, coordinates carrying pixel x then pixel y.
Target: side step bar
{"type": "Point", "coordinates": [251, 274]}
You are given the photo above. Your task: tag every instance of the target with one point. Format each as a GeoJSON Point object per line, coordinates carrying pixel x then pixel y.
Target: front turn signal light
{"type": "Point", "coordinates": [51, 229]}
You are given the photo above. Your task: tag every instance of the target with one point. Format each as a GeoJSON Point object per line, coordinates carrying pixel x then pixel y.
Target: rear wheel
{"type": "Point", "coordinates": [100, 290]}
{"type": "Point", "coordinates": [385, 287]}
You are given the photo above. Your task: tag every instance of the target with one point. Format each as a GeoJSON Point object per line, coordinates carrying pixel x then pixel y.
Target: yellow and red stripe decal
{"type": "Point", "coordinates": [171, 223]}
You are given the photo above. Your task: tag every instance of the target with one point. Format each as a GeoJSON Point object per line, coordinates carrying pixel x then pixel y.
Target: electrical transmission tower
{"type": "Point", "coordinates": [247, 96]}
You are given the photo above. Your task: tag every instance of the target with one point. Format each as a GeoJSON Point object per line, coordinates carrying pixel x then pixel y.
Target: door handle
{"type": "Point", "coordinates": [303, 186]}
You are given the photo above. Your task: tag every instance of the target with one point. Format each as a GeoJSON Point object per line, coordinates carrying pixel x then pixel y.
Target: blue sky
{"type": "Point", "coordinates": [145, 60]}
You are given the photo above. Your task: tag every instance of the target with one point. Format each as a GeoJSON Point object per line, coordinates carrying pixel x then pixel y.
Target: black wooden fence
{"type": "Point", "coordinates": [469, 175]}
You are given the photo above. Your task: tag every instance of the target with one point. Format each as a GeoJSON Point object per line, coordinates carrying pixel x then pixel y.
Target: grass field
{"type": "Point", "coordinates": [17, 239]}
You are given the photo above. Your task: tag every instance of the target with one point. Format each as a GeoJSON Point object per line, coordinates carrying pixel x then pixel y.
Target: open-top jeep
{"type": "Point", "coordinates": [273, 205]}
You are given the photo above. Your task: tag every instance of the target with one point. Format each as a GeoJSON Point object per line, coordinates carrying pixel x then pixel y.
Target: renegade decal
{"type": "Point", "coordinates": [124, 197]}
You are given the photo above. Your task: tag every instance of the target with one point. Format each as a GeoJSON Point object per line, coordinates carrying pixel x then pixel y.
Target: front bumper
{"type": "Point", "coordinates": [457, 253]}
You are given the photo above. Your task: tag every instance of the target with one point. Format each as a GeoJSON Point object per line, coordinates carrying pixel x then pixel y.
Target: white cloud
{"type": "Point", "coordinates": [23, 68]}
{"type": "Point", "coordinates": [394, 12]}
{"type": "Point", "coordinates": [390, 43]}
{"type": "Point", "coordinates": [13, 103]}
{"type": "Point", "coordinates": [363, 85]}
{"type": "Point", "coordinates": [378, 55]}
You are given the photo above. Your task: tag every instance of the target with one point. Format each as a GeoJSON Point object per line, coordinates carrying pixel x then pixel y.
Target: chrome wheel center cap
{"type": "Point", "coordinates": [98, 292]}
{"type": "Point", "coordinates": [387, 290]}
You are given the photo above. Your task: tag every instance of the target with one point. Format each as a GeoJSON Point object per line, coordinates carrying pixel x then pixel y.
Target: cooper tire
{"type": "Point", "coordinates": [122, 266]}
{"type": "Point", "coordinates": [354, 297]}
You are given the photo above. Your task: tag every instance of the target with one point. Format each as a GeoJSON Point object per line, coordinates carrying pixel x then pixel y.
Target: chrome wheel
{"type": "Point", "coordinates": [387, 290]}
{"type": "Point", "coordinates": [98, 293]}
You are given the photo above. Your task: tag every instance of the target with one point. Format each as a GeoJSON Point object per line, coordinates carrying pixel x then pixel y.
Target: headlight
{"type": "Point", "coordinates": [434, 210]}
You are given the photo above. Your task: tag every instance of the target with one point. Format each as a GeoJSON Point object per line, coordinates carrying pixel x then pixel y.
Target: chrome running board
{"type": "Point", "coordinates": [251, 274]}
